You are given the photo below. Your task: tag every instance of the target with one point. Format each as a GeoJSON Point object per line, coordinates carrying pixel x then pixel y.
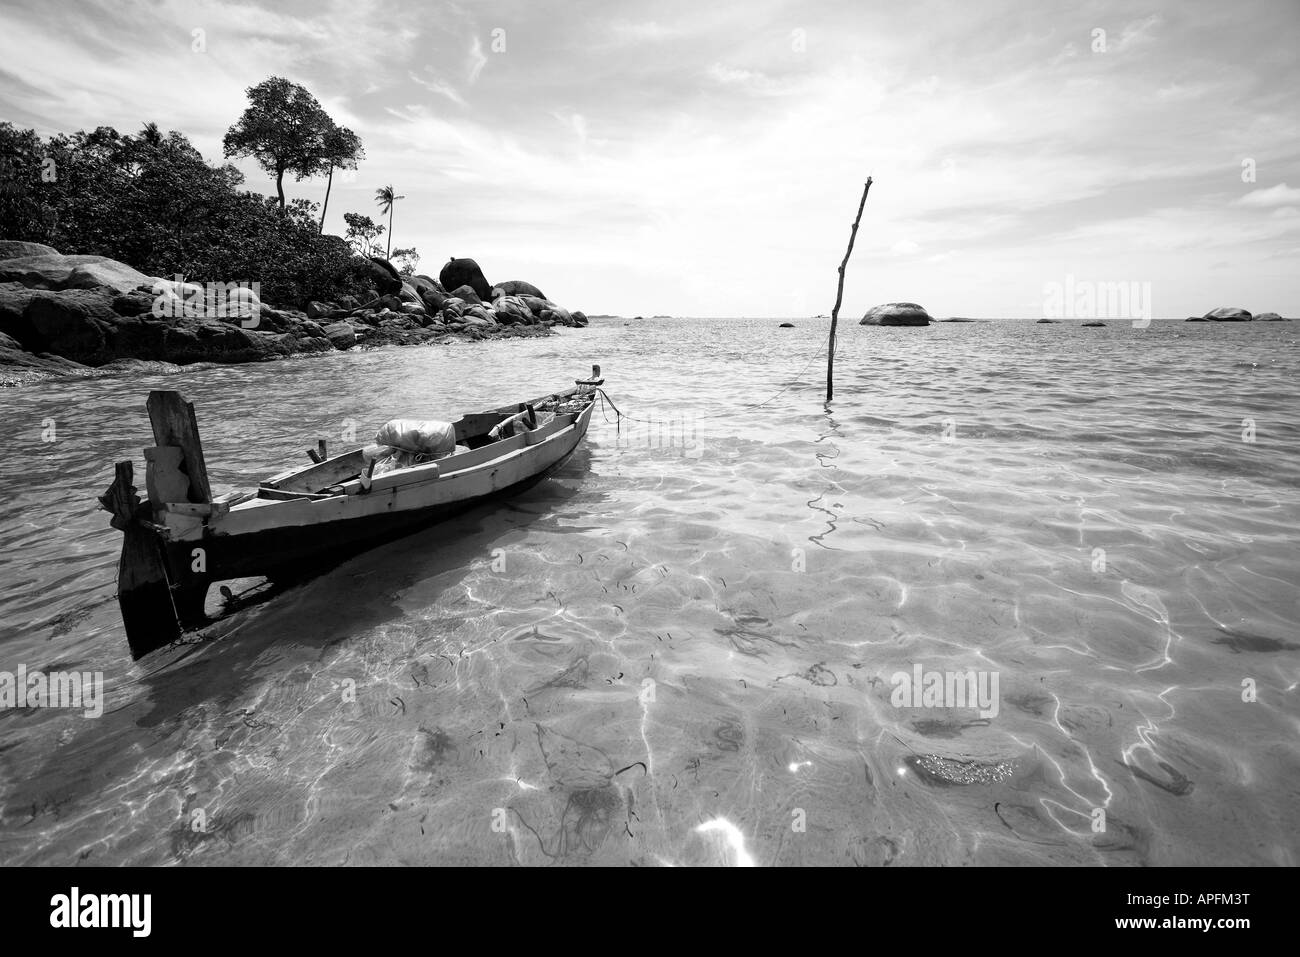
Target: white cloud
{"type": "Point", "coordinates": [1279, 195]}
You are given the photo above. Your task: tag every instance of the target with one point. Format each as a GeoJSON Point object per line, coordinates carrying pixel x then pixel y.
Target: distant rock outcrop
{"type": "Point", "coordinates": [1228, 314]}
{"type": "Point", "coordinates": [896, 314]}
{"type": "Point", "coordinates": [1269, 317]}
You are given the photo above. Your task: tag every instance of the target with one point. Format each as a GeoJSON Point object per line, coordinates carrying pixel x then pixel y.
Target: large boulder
{"type": "Point", "coordinates": [20, 367]}
{"type": "Point", "coordinates": [516, 287]}
{"type": "Point", "coordinates": [1268, 317]}
{"type": "Point", "coordinates": [1228, 314]}
{"type": "Point", "coordinates": [431, 292]}
{"type": "Point", "coordinates": [536, 304]}
{"type": "Point", "coordinates": [14, 299]}
{"type": "Point", "coordinates": [341, 335]}
{"type": "Point", "coordinates": [512, 310]}
{"type": "Point", "coordinates": [53, 271]}
{"type": "Point", "coordinates": [486, 313]}
{"type": "Point", "coordinates": [17, 249]}
{"type": "Point", "coordinates": [209, 340]}
{"type": "Point", "coordinates": [579, 318]}
{"type": "Point", "coordinates": [896, 314]}
{"type": "Point", "coordinates": [465, 272]}
{"type": "Point", "coordinates": [384, 276]}
{"type": "Point", "coordinates": [467, 293]}
{"type": "Point", "coordinates": [78, 324]}
{"type": "Point", "coordinates": [559, 314]}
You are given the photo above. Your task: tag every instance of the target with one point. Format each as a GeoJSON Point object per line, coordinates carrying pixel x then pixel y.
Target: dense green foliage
{"type": "Point", "coordinates": [152, 202]}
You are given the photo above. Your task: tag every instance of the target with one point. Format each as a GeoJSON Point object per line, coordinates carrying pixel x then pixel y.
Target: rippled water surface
{"type": "Point", "coordinates": [680, 649]}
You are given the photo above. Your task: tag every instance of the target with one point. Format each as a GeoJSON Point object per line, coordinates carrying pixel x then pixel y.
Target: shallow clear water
{"type": "Point", "coordinates": [681, 649]}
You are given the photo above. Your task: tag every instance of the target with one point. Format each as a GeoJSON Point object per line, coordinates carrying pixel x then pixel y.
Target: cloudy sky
{"type": "Point", "coordinates": [690, 159]}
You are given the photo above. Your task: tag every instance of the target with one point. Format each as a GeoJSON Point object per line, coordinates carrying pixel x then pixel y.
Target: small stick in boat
{"type": "Point", "coordinates": [314, 456]}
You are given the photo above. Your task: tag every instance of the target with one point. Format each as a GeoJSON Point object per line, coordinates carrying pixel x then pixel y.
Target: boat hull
{"type": "Point", "coordinates": [294, 552]}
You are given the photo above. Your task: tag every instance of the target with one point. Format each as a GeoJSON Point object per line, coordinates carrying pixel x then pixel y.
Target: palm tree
{"type": "Point", "coordinates": [386, 199]}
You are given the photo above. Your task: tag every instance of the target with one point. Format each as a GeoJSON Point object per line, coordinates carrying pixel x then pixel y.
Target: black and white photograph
{"type": "Point", "coordinates": [533, 434]}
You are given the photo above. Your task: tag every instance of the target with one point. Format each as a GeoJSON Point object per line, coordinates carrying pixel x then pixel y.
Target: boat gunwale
{"type": "Point", "coordinates": [419, 475]}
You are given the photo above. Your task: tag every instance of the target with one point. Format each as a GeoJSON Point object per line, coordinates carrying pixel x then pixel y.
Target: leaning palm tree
{"type": "Point", "coordinates": [386, 198]}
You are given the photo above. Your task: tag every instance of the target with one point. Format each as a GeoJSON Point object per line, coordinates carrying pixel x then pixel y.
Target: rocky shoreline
{"type": "Point", "coordinates": [74, 316]}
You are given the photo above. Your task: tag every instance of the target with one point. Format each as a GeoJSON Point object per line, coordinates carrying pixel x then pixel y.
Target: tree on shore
{"type": "Point", "coordinates": [363, 234]}
{"type": "Point", "coordinates": [151, 201]}
{"type": "Point", "coordinates": [342, 150]}
{"type": "Point", "coordinates": [387, 198]}
{"type": "Point", "coordinates": [407, 261]}
{"type": "Point", "coordinates": [284, 129]}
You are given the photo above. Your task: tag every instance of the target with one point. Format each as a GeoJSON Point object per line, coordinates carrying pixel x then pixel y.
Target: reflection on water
{"type": "Point", "coordinates": [681, 649]}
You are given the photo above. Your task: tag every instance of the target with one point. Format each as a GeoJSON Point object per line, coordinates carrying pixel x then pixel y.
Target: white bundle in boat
{"type": "Point", "coordinates": [406, 443]}
{"type": "Point", "coordinates": [422, 437]}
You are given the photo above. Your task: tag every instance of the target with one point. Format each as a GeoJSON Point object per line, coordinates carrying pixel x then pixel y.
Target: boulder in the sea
{"type": "Point", "coordinates": [20, 367]}
{"type": "Point", "coordinates": [1228, 314]}
{"type": "Point", "coordinates": [1092, 325]}
{"type": "Point", "coordinates": [516, 287]}
{"type": "Point", "coordinates": [896, 314]}
{"type": "Point", "coordinates": [209, 340]}
{"type": "Point", "coordinates": [1050, 322]}
{"type": "Point", "coordinates": [579, 318]}
{"type": "Point", "coordinates": [1196, 319]}
{"type": "Point", "coordinates": [341, 335]}
{"type": "Point", "coordinates": [75, 323]}
{"type": "Point", "coordinates": [786, 325]}
{"type": "Point", "coordinates": [557, 314]}
{"type": "Point", "coordinates": [465, 272]}
{"type": "Point", "coordinates": [1268, 317]}
{"type": "Point", "coordinates": [14, 299]}
{"type": "Point", "coordinates": [512, 310]}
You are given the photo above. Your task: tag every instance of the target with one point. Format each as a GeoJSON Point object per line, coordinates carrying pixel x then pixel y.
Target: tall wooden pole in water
{"type": "Point", "coordinates": [839, 297]}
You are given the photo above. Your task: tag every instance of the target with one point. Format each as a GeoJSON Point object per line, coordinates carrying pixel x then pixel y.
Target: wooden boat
{"type": "Point", "coordinates": [183, 540]}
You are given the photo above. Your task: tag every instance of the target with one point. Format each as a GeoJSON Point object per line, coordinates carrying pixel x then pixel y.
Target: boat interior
{"type": "Point", "coordinates": [480, 437]}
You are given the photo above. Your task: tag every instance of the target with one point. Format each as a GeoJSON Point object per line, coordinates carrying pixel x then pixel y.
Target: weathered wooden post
{"type": "Point", "coordinates": [839, 296]}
